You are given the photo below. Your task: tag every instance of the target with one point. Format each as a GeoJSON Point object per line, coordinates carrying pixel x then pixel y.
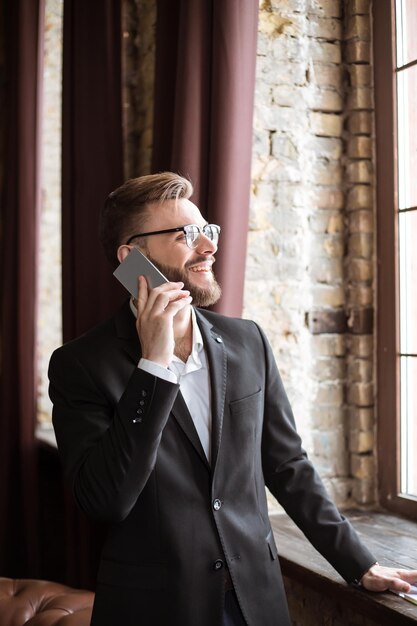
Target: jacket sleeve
{"type": "Point", "coordinates": [292, 479]}
{"type": "Point", "coordinates": [108, 451]}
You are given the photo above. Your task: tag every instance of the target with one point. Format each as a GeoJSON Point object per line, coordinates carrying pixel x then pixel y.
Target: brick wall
{"type": "Point", "coordinates": [359, 259]}
{"type": "Point", "coordinates": [139, 19]}
{"type": "Point", "coordinates": [309, 279]}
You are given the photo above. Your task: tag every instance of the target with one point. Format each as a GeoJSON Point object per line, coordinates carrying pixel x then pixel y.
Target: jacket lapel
{"type": "Point", "coordinates": [182, 415]}
{"type": "Point", "coordinates": [217, 359]}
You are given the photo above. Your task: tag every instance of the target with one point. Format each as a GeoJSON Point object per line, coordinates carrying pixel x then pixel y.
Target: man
{"type": "Point", "coordinates": [170, 421]}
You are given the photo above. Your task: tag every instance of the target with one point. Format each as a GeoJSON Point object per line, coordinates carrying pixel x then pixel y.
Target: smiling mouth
{"type": "Point", "coordinates": [201, 268]}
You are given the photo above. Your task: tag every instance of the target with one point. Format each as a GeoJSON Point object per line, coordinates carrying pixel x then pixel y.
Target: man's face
{"type": "Point", "coordinates": [170, 253]}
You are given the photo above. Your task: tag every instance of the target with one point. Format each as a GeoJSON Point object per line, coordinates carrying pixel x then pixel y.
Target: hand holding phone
{"type": "Point", "coordinates": [155, 331]}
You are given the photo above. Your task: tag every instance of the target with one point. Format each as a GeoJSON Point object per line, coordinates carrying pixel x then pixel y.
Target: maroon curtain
{"type": "Point", "coordinates": [19, 224]}
{"type": "Point", "coordinates": [204, 90]}
{"type": "Point", "coordinates": [92, 157]}
{"type": "Point", "coordinates": [92, 166]}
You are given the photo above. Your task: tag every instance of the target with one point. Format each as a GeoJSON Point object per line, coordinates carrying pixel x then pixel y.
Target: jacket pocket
{"type": "Point", "coordinates": [271, 545]}
{"type": "Point", "coordinates": [248, 404]}
{"type": "Point", "coordinates": [144, 576]}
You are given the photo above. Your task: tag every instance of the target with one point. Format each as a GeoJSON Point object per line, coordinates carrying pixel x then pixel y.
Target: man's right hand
{"type": "Point", "coordinates": [155, 322]}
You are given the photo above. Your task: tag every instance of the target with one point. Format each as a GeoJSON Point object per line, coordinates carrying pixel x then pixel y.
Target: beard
{"type": "Point", "coordinates": [201, 297]}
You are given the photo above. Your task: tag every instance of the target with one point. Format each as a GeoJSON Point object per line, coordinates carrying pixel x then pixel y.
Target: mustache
{"type": "Point", "coordinates": [200, 259]}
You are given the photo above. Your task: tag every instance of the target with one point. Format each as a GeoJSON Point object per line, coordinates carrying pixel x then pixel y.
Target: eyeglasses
{"type": "Point", "coordinates": [192, 233]}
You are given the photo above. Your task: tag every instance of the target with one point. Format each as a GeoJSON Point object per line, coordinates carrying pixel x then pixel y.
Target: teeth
{"type": "Point", "coordinates": [200, 269]}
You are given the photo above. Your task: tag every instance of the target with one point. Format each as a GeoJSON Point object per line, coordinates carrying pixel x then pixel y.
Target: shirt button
{"type": "Point", "coordinates": [143, 393]}
{"type": "Point", "coordinates": [137, 419]}
{"type": "Point", "coordinates": [141, 402]}
{"type": "Point", "coordinates": [218, 564]}
{"type": "Point", "coordinates": [217, 504]}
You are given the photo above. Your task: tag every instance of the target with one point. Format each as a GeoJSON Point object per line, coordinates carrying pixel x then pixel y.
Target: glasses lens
{"type": "Point", "coordinates": [212, 232]}
{"type": "Point", "coordinates": [191, 235]}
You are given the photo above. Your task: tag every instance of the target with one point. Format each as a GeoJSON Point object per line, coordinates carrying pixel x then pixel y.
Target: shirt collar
{"type": "Point", "coordinates": [194, 361]}
{"type": "Point", "coordinates": [197, 336]}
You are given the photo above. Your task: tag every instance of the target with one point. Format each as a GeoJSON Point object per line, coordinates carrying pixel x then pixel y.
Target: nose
{"type": "Point", "coordinates": [205, 245]}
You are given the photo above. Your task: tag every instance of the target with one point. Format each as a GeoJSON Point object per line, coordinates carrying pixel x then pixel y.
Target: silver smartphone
{"type": "Point", "coordinates": [136, 264]}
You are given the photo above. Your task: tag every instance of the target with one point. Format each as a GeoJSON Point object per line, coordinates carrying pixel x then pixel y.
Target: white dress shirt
{"type": "Point", "coordinates": [194, 380]}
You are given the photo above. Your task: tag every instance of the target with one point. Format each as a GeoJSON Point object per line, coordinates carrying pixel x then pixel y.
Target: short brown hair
{"type": "Point", "coordinates": [126, 207]}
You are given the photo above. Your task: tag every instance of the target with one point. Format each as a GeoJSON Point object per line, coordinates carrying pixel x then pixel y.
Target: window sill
{"type": "Point", "coordinates": [392, 539]}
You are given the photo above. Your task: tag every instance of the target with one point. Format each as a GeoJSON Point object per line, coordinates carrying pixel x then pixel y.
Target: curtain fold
{"type": "Point", "coordinates": [19, 550]}
{"type": "Point", "coordinates": [92, 166]}
{"type": "Point", "coordinates": [92, 157]}
{"type": "Point", "coordinates": [204, 93]}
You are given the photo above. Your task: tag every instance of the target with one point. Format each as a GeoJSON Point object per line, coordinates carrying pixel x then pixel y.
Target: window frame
{"type": "Point", "coordinates": [388, 336]}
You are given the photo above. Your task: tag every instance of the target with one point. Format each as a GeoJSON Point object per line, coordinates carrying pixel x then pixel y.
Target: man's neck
{"type": "Point", "coordinates": [183, 334]}
{"type": "Point", "coordinates": [183, 324]}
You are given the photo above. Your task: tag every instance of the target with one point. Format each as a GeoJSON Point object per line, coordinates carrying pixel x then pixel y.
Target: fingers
{"type": "Point", "coordinates": [163, 295]}
{"type": "Point", "coordinates": [396, 584]}
{"type": "Point", "coordinates": [380, 578]}
{"type": "Point", "coordinates": [403, 579]}
{"type": "Point", "coordinates": [142, 294]}
{"type": "Point", "coordinates": [155, 321]}
{"type": "Point", "coordinates": [166, 302]}
{"type": "Point", "coordinates": [410, 575]}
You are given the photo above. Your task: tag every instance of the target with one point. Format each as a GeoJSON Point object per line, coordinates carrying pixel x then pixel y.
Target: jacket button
{"type": "Point", "coordinates": [137, 419]}
{"type": "Point", "coordinates": [218, 564]}
{"type": "Point", "coordinates": [217, 504]}
{"type": "Point", "coordinates": [139, 411]}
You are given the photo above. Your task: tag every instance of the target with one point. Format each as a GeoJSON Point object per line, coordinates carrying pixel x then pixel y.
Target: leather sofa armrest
{"type": "Point", "coordinates": [43, 603]}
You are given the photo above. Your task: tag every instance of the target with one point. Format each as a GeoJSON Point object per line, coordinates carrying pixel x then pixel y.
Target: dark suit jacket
{"type": "Point", "coordinates": [130, 448]}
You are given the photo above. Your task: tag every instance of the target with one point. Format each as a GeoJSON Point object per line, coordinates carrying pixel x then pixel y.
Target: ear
{"type": "Point", "coordinates": [123, 251]}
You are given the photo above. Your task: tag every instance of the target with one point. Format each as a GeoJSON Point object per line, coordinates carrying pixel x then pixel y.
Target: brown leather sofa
{"type": "Point", "coordinates": [42, 603]}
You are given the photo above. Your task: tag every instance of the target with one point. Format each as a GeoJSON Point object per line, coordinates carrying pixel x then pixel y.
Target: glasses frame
{"type": "Point", "coordinates": [202, 231]}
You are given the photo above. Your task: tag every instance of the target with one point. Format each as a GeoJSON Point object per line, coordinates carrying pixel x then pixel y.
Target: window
{"type": "Point", "coordinates": [395, 56]}
{"type": "Point", "coordinates": [49, 329]}
{"type": "Point", "coordinates": [406, 70]}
